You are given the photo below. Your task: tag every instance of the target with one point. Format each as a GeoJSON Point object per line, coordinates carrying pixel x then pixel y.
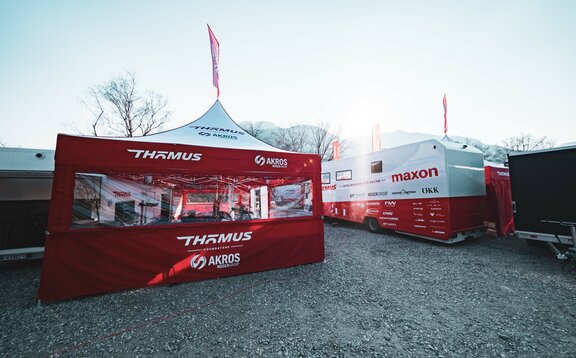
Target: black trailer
{"type": "Point", "coordinates": [25, 190]}
{"type": "Point", "coordinates": [543, 187]}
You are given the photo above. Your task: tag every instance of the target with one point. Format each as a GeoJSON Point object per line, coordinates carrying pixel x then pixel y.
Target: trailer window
{"type": "Point", "coordinates": [376, 167]}
{"type": "Point", "coordinates": [344, 175]}
{"type": "Point", "coordinates": [325, 178]}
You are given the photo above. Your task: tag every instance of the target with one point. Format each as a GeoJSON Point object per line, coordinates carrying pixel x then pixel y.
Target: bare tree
{"type": "Point", "coordinates": [526, 142]}
{"type": "Point", "coordinates": [119, 109]}
{"type": "Point", "coordinates": [321, 139]}
{"type": "Point", "coordinates": [293, 138]}
{"type": "Point", "coordinates": [254, 129]}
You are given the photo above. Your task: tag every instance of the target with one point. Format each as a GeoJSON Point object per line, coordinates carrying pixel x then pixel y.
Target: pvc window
{"type": "Point", "coordinates": [137, 199]}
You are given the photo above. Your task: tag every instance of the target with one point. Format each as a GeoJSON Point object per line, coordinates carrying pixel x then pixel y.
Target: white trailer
{"type": "Point", "coordinates": [25, 190]}
{"type": "Point", "coordinates": [430, 189]}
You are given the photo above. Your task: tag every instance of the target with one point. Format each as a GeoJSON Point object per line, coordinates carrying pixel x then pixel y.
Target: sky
{"type": "Point", "coordinates": [506, 67]}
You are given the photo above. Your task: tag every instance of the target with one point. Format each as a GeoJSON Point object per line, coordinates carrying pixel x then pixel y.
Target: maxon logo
{"type": "Point", "coordinates": [415, 174]}
{"type": "Point", "coordinates": [273, 162]}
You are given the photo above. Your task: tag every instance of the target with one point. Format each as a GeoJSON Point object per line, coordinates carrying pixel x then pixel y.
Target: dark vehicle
{"type": "Point", "coordinates": [543, 187]}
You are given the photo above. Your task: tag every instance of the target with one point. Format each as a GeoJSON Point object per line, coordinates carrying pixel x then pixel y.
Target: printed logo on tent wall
{"type": "Point", "coordinates": [198, 262]}
{"type": "Point", "coordinates": [260, 160]}
{"type": "Point", "coordinates": [273, 162]}
{"type": "Point", "coordinates": [216, 132]}
{"type": "Point", "coordinates": [220, 261]}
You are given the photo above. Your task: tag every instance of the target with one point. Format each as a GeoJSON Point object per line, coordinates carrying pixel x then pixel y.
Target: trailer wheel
{"type": "Point", "coordinates": [373, 225]}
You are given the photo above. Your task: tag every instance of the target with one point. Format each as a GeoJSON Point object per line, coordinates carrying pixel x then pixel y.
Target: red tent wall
{"type": "Point", "coordinates": [89, 261]}
{"type": "Point", "coordinates": [499, 200]}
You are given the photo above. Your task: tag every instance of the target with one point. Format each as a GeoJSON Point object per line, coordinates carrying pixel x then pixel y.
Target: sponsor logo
{"type": "Point", "coordinates": [438, 221]}
{"type": "Point", "coordinates": [418, 214]}
{"type": "Point", "coordinates": [419, 220]}
{"type": "Point", "coordinates": [388, 224]}
{"type": "Point", "coordinates": [260, 160]}
{"type": "Point", "coordinates": [387, 213]}
{"type": "Point", "coordinates": [198, 262]}
{"type": "Point", "coordinates": [420, 226]}
{"type": "Point", "coordinates": [216, 129]}
{"type": "Point", "coordinates": [327, 187]}
{"type": "Point", "coordinates": [215, 238]}
{"type": "Point", "coordinates": [415, 174]}
{"type": "Point", "coordinates": [438, 232]}
{"type": "Point", "coordinates": [273, 162]}
{"type": "Point", "coordinates": [404, 192]}
{"type": "Point", "coordinates": [503, 174]}
{"type": "Point", "coordinates": [121, 194]}
{"type": "Point", "coordinates": [433, 190]}
{"type": "Point", "coordinates": [359, 195]}
{"type": "Point", "coordinates": [390, 203]}
{"type": "Point", "coordinates": [378, 193]}
{"type": "Point", "coordinates": [372, 211]}
{"type": "Point", "coordinates": [164, 154]}
{"type": "Point", "coordinates": [390, 218]}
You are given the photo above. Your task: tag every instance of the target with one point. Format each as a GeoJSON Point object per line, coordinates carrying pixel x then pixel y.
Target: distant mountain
{"type": "Point", "coordinates": [363, 144]}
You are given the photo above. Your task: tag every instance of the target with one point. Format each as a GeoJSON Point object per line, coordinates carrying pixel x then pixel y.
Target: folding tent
{"type": "Point", "coordinates": [193, 203]}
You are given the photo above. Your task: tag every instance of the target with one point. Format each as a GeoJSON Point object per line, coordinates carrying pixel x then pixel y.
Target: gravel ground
{"type": "Point", "coordinates": [375, 295]}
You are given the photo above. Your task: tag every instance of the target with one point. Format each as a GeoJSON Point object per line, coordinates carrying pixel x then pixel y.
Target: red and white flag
{"type": "Point", "coordinates": [445, 112]}
{"type": "Point", "coordinates": [215, 49]}
{"type": "Point", "coordinates": [335, 150]}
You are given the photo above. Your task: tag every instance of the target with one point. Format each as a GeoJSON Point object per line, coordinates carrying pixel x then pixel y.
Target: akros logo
{"type": "Point", "coordinates": [198, 262]}
{"type": "Point", "coordinates": [216, 238]}
{"type": "Point", "coordinates": [260, 160]}
{"type": "Point", "coordinates": [415, 174]}
{"type": "Point", "coordinates": [164, 154]}
{"type": "Point", "coordinates": [273, 162]}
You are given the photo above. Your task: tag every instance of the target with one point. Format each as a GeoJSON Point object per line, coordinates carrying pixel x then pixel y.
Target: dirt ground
{"type": "Point", "coordinates": [375, 295]}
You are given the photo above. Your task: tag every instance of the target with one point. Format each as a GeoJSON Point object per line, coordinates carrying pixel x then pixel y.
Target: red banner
{"type": "Point", "coordinates": [215, 49]}
{"type": "Point", "coordinates": [335, 150]}
{"type": "Point", "coordinates": [445, 112]}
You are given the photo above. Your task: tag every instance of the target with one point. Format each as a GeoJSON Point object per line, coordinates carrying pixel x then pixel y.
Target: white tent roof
{"type": "Point", "coordinates": [214, 129]}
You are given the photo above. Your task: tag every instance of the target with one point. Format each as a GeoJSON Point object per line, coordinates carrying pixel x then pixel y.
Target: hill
{"type": "Point", "coordinates": [363, 144]}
